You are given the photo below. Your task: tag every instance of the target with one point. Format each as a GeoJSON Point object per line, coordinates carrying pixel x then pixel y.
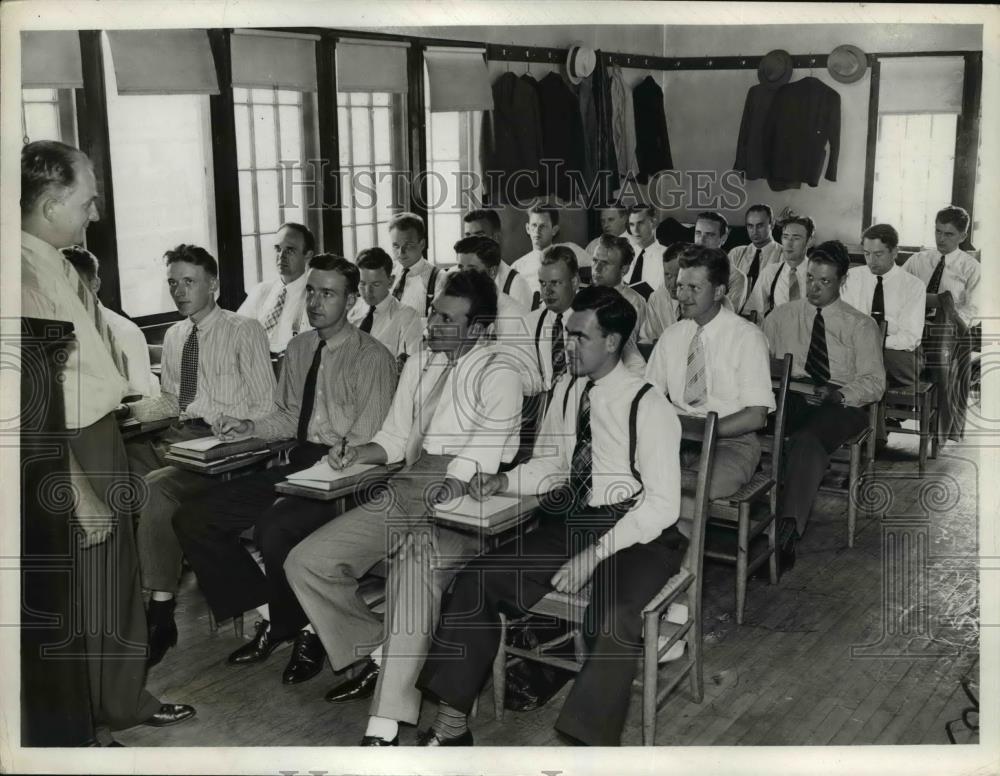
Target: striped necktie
{"type": "Point", "coordinates": [818, 361]}
{"type": "Point", "coordinates": [934, 284]}
{"type": "Point", "coordinates": [581, 480]}
{"type": "Point", "coordinates": [401, 284]}
{"type": "Point", "coordinates": [189, 370]}
{"type": "Point", "coordinates": [558, 350]}
{"type": "Point", "coordinates": [93, 308]}
{"type": "Point", "coordinates": [696, 384]}
{"type": "Point", "coordinates": [272, 318]}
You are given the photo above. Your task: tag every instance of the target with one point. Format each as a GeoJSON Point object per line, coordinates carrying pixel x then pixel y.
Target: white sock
{"type": "Point", "coordinates": [376, 656]}
{"type": "Point", "coordinates": [161, 595]}
{"type": "Point", "coordinates": [265, 611]}
{"type": "Point", "coordinates": [308, 627]}
{"type": "Point", "coordinates": [386, 729]}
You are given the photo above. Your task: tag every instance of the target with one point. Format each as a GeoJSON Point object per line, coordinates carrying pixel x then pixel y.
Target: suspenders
{"type": "Point", "coordinates": [774, 285]}
{"type": "Point", "coordinates": [538, 337]}
{"type": "Point", "coordinates": [431, 284]}
{"type": "Point", "coordinates": [509, 281]}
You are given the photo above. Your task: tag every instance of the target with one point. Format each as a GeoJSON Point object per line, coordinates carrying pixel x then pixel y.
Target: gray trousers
{"type": "Point", "coordinates": [736, 460]}
{"type": "Point", "coordinates": [323, 571]}
{"type": "Point", "coordinates": [159, 551]}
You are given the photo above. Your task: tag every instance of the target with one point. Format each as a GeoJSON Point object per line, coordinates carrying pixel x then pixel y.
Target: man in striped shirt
{"type": "Point", "coordinates": [215, 363]}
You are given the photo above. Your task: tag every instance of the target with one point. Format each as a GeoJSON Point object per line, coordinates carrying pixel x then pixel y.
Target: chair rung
{"type": "Point", "coordinates": [549, 660]}
{"type": "Point", "coordinates": [562, 606]}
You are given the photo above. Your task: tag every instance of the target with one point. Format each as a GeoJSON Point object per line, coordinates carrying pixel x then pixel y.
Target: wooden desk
{"type": "Point", "coordinates": [232, 463]}
{"type": "Point", "coordinates": [342, 493]}
{"type": "Point", "coordinates": [132, 428]}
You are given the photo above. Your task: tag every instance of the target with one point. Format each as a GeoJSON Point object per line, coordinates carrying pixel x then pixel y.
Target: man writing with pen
{"type": "Point", "coordinates": [336, 386]}
{"type": "Point", "coordinates": [455, 417]}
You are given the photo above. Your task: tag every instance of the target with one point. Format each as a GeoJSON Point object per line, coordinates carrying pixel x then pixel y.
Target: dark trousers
{"type": "Point", "coordinates": [208, 527]}
{"type": "Point", "coordinates": [515, 577]}
{"type": "Point", "coordinates": [112, 612]}
{"type": "Point", "coordinates": [817, 430]}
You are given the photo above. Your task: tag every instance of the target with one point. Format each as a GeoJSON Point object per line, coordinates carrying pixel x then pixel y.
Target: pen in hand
{"type": "Point", "coordinates": [343, 449]}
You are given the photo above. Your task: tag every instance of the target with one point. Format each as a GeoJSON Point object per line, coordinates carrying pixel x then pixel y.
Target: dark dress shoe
{"type": "Point", "coordinates": [379, 741]}
{"type": "Point", "coordinates": [258, 649]}
{"type": "Point", "coordinates": [162, 636]}
{"type": "Point", "coordinates": [786, 556]}
{"type": "Point", "coordinates": [361, 686]}
{"type": "Point", "coordinates": [430, 738]}
{"type": "Point", "coordinates": [170, 714]}
{"type": "Point", "coordinates": [306, 660]}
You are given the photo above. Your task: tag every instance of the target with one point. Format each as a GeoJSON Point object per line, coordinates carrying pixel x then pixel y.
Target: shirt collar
{"type": "Point", "coordinates": [616, 377]}
{"type": "Point", "coordinates": [347, 332]}
{"type": "Point", "coordinates": [716, 322]}
{"type": "Point", "coordinates": [208, 321]}
{"type": "Point", "coordinates": [299, 282]}
{"type": "Point", "coordinates": [384, 306]}
{"type": "Point", "coordinates": [765, 246]}
{"type": "Point", "coordinates": [887, 274]}
{"type": "Point", "coordinates": [950, 257]}
{"type": "Point", "coordinates": [42, 250]}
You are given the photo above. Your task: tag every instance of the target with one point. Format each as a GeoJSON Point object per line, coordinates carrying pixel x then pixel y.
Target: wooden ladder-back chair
{"type": "Point", "coordinates": [659, 635]}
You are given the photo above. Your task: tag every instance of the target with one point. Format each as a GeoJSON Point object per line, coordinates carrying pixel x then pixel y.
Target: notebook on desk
{"type": "Point", "coordinates": [212, 448]}
{"type": "Point", "coordinates": [495, 513]}
{"type": "Point", "coordinates": [322, 476]}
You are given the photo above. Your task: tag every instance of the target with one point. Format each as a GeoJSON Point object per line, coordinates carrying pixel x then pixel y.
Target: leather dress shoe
{"type": "Point", "coordinates": [379, 741]}
{"type": "Point", "coordinates": [258, 649]}
{"type": "Point", "coordinates": [361, 686]}
{"type": "Point", "coordinates": [786, 556]}
{"type": "Point", "coordinates": [170, 714]}
{"type": "Point", "coordinates": [162, 636]}
{"type": "Point", "coordinates": [430, 738]}
{"type": "Point", "coordinates": [306, 660]}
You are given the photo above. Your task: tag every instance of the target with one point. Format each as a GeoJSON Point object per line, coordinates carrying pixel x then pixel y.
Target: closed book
{"type": "Point", "coordinates": [213, 448]}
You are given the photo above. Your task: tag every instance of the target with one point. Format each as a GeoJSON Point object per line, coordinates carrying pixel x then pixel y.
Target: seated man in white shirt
{"type": "Point", "coordinates": [611, 265]}
{"type": "Point", "coordinates": [711, 230]}
{"type": "Point", "coordinates": [481, 254]}
{"type": "Point", "coordinates": [949, 268]}
{"type": "Point", "coordinates": [141, 380]}
{"type": "Point", "coordinates": [614, 221]}
{"type": "Point", "coordinates": [646, 273]}
{"type": "Point", "coordinates": [542, 228]}
{"type": "Point", "coordinates": [762, 250]}
{"type": "Point", "coordinates": [379, 313]}
{"type": "Point", "coordinates": [784, 281]}
{"type": "Point", "coordinates": [715, 361]}
{"type": "Point", "coordinates": [279, 304]}
{"type": "Point", "coordinates": [886, 292]}
{"type": "Point", "coordinates": [486, 223]}
{"type": "Point", "coordinates": [215, 363]}
{"type": "Point", "coordinates": [416, 278]}
{"type": "Point", "coordinates": [664, 309]}
{"type": "Point", "coordinates": [609, 517]}
{"type": "Point", "coordinates": [455, 414]}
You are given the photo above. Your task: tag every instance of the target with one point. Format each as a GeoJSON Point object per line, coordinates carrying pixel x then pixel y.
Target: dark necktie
{"type": "Point", "coordinates": [309, 394]}
{"type": "Point", "coordinates": [878, 302]}
{"type": "Point", "coordinates": [366, 324]}
{"type": "Point", "coordinates": [753, 272]}
{"type": "Point", "coordinates": [189, 370]}
{"type": "Point", "coordinates": [637, 268]}
{"type": "Point", "coordinates": [935, 282]}
{"type": "Point", "coordinates": [581, 466]}
{"type": "Point", "coordinates": [818, 361]}
{"type": "Point", "coordinates": [398, 290]}
{"type": "Point", "coordinates": [558, 350]}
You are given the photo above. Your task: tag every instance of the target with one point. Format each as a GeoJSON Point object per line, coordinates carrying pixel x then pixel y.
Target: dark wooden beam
{"type": "Point", "coordinates": [225, 172]}
{"type": "Point", "coordinates": [417, 130]}
{"type": "Point", "coordinates": [92, 114]}
{"type": "Point", "coordinates": [963, 191]}
{"type": "Point", "coordinates": [329, 145]}
{"type": "Point", "coordinates": [872, 145]}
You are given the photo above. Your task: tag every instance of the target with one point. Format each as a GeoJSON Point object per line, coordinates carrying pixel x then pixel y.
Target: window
{"type": "Point", "coordinates": [452, 172]}
{"type": "Point", "coordinates": [48, 114]}
{"type": "Point", "coordinates": [914, 171]}
{"type": "Point", "coordinates": [276, 137]}
{"type": "Point", "coordinates": [373, 166]}
{"type": "Point", "coordinates": [161, 171]}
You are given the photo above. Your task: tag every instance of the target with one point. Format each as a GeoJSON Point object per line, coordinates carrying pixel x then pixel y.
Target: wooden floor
{"type": "Point", "coordinates": [861, 646]}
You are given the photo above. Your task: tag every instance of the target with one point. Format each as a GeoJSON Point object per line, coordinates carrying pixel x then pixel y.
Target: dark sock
{"type": "Point", "coordinates": [161, 612]}
{"type": "Point", "coordinates": [450, 722]}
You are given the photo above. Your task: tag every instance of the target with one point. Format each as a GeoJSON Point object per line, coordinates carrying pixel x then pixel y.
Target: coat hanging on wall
{"type": "Point", "coordinates": [803, 119]}
{"type": "Point", "coordinates": [652, 144]}
{"type": "Point", "coordinates": [511, 139]}
{"type": "Point", "coordinates": [623, 123]}
{"type": "Point", "coordinates": [562, 135]}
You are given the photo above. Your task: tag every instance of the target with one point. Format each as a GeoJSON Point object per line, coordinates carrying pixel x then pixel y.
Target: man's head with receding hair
{"type": "Point", "coordinates": [58, 193]}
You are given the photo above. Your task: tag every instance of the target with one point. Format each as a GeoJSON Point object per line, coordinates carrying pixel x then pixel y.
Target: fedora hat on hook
{"type": "Point", "coordinates": [775, 68]}
{"type": "Point", "coordinates": [580, 62]}
{"type": "Point", "coordinates": [847, 64]}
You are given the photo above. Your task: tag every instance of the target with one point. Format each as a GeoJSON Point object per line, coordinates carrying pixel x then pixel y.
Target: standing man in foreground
{"type": "Point", "coordinates": [58, 201]}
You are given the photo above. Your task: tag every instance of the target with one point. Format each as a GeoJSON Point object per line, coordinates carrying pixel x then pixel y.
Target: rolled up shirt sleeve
{"type": "Point", "coordinates": [868, 384]}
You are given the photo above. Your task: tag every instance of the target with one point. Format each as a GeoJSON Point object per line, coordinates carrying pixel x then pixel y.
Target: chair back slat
{"type": "Point", "coordinates": [781, 378]}
{"type": "Point", "coordinates": [709, 437]}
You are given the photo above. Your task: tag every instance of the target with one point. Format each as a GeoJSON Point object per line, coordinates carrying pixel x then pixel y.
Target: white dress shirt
{"type": "Point", "coordinates": [92, 385]}
{"type": "Point", "coordinates": [535, 353]}
{"type": "Point", "coordinates": [235, 376]}
{"type": "Point", "coordinates": [652, 264]}
{"type": "Point", "coordinates": [415, 289]}
{"type": "Point", "coordinates": [260, 301]}
{"type": "Point", "coordinates": [737, 365]}
{"type": "Point", "coordinates": [905, 298]}
{"type": "Point", "coordinates": [960, 277]}
{"type": "Point", "coordinates": [395, 325]}
{"type": "Point", "coordinates": [742, 256]}
{"type": "Point", "coordinates": [663, 311]}
{"type": "Point", "coordinates": [657, 456]}
{"type": "Point", "coordinates": [130, 338]}
{"type": "Point", "coordinates": [477, 418]}
{"type": "Point", "coordinates": [529, 264]}
{"type": "Point", "coordinates": [760, 299]}
{"type": "Point", "coordinates": [519, 288]}
{"type": "Point", "coordinates": [737, 290]}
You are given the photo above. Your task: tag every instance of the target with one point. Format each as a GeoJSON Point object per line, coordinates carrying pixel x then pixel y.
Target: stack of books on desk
{"type": "Point", "coordinates": [211, 454]}
{"type": "Point", "coordinates": [324, 477]}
